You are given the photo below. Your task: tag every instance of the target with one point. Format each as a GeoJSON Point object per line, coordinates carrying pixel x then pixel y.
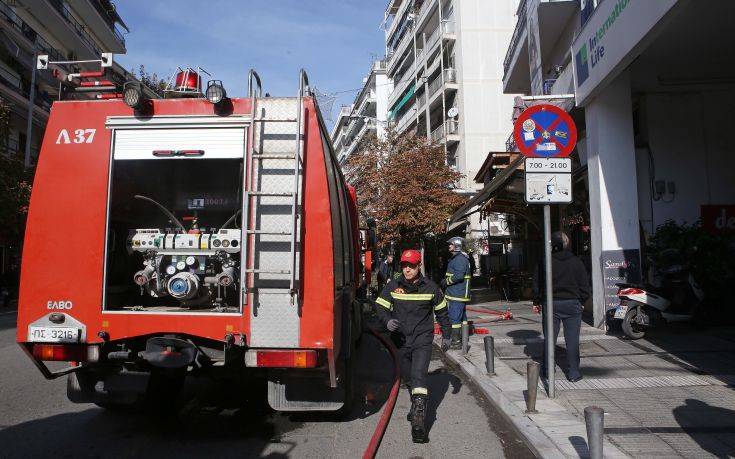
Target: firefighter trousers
{"type": "Point", "coordinates": [414, 360]}
{"type": "Point", "coordinates": [457, 313]}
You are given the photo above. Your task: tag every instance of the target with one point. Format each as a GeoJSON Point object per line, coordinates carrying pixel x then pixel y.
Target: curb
{"type": "Point", "coordinates": [535, 439]}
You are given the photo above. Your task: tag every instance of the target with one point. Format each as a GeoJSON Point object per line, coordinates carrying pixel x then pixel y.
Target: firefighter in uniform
{"type": "Point", "coordinates": [457, 288]}
{"type": "Point", "coordinates": [406, 306]}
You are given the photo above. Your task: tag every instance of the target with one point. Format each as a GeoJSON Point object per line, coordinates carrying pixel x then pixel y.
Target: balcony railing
{"type": "Point", "coordinates": [406, 118]}
{"type": "Point", "coordinates": [517, 32]}
{"type": "Point", "coordinates": [452, 127]}
{"type": "Point", "coordinates": [433, 38]}
{"type": "Point", "coordinates": [108, 20]}
{"type": "Point", "coordinates": [435, 85]}
{"type": "Point", "coordinates": [448, 27]}
{"type": "Point", "coordinates": [437, 135]}
{"type": "Point", "coordinates": [7, 15]}
{"type": "Point", "coordinates": [450, 75]}
{"type": "Point", "coordinates": [510, 144]}
{"type": "Point", "coordinates": [78, 27]}
{"type": "Point", "coordinates": [421, 99]}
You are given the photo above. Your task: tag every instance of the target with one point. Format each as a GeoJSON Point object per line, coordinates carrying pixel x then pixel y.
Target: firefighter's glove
{"type": "Point", "coordinates": [446, 342]}
{"type": "Point", "coordinates": [393, 325]}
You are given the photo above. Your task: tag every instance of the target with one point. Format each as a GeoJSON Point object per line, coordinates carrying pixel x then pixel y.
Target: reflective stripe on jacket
{"type": "Point", "coordinates": [414, 305]}
{"type": "Point", "coordinates": [458, 278]}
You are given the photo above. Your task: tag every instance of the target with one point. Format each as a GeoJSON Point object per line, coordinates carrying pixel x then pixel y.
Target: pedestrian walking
{"type": "Point", "coordinates": [406, 306]}
{"type": "Point", "coordinates": [457, 288]}
{"type": "Point", "coordinates": [571, 289]}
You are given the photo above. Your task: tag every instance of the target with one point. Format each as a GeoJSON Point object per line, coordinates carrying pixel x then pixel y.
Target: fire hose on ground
{"type": "Point", "coordinates": [377, 437]}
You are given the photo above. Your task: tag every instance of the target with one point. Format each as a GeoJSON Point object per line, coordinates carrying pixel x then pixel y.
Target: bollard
{"type": "Point", "coordinates": [489, 355]}
{"type": "Point", "coordinates": [465, 337]}
{"type": "Point", "coordinates": [594, 418]}
{"type": "Point", "coordinates": [532, 373]}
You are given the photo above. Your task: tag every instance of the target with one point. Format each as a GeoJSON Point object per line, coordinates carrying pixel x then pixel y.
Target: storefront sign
{"type": "Point", "coordinates": [619, 267]}
{"type": "Point", "coordinates": [545, 131]}
{"type": "Point", "coordinates": [718, 219]}
{"type": "Point", "coordinates": [610, 40]}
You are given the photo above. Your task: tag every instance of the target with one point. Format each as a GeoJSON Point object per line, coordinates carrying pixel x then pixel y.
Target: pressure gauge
{"type": "Point", "coordinates": [190, 261]}
{"type": "Point", "coordinates": [225, 243]}
{"type": "Point", "coordinates": [181, 265]}
{"type": "Point", "coordinates": [171, 270]}
{"type": "Point", "coordinates": [216, 243]}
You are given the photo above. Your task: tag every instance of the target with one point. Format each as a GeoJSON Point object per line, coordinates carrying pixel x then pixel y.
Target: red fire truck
{"type": "Point", "coordinates": [191, 235]}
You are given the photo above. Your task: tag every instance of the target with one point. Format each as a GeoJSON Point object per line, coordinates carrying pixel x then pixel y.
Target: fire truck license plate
{"type": "Point", "coordinates": [620, 311]}
{"type": "Point", "coordinates": [53, 335]}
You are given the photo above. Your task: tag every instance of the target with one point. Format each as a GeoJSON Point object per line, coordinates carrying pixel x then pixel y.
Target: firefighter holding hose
{"type": "Point", "coordinates": [406, 306]}
{"type": "Point", "coordinates": [457, 288]}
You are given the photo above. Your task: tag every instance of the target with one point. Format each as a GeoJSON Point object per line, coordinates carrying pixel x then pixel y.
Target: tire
{"type": "Point", "coordinates": [631, 329]}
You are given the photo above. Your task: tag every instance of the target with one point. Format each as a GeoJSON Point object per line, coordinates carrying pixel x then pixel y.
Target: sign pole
{"type": "Point", "coordinates": [549, 309]}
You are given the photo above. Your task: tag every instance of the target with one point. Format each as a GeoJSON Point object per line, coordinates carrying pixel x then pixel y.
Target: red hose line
{"type": "Point", "coordinates": [486, 311]}
{"type": "Point", "coordinates": [372, 448]}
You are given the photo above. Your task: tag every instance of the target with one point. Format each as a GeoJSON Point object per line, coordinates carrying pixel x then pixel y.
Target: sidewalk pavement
{"type": "Point", "coordinates": [671, 394]}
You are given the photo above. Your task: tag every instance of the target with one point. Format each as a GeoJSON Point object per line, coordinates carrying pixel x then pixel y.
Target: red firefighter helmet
{"type": "Point", "coordinates": [411, 256]}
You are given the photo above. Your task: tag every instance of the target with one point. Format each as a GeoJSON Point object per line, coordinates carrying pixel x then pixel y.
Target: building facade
{"type": "Point", "coordinates": [442, 56]}
{"type": "Point", "coordinates": [367, 115]}
{"type": "Point", "coordinates": [64, 30]}
{"type": "Point", "coordinates": [650, 98]}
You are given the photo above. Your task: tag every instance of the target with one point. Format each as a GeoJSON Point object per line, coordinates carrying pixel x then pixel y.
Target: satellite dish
{"type": "Point", "coordinates": [453, 112]}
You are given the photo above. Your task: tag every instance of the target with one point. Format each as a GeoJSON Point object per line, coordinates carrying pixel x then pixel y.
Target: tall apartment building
{"type": "Point", "coordinates": [65, 30]}
{"type": "Point", "coordinates": [367, 115]}
{"type": "Point", "coordinates": [444, 58]}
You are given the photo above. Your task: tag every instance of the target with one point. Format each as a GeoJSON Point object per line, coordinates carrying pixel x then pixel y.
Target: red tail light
{"type": "Point", "coordinates": [630, 291]}
{"type": "Point", "coordinates": [281, 359]}
{"type": "Point", "coordinates": [163, 152]}
{"type": "Point", "coordinates": [66, 352]}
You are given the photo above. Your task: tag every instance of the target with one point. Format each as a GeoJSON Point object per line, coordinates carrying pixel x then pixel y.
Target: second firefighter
{"type": "Point", "coordinates": [457, 288]}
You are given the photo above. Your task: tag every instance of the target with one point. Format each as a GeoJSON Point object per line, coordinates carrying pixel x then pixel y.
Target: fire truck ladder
{"type": "Point", "coordinates": [272, 216]}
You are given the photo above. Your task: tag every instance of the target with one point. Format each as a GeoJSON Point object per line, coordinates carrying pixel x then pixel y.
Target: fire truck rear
{"type": "Point", "coordinates": [191, 236]}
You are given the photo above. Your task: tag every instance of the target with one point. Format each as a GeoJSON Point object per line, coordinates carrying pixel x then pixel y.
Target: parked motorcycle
{"type": "Point", "coordinates": [676, 298]}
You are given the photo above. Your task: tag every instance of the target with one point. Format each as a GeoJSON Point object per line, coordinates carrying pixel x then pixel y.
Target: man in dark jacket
{"type": "Point", "coordinates": [406, 306]}
{"type": "Point", "coordinates": [571, 289]}
{"type": "Point", "coordinates": [385, 270]}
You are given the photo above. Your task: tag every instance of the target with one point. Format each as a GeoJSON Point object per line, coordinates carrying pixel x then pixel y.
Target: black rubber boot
{"type": "Point", "coordinates": [418, 419]}
{"type": "Point", "coordinates": [456, 338]}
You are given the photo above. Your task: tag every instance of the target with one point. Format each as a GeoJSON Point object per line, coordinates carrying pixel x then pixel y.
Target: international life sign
{"type": "Point", "coordinates": [615, 34]}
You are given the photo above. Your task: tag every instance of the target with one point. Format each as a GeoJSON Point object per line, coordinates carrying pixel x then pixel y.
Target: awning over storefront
{"type": "Point", "coordinates": [476, 203]}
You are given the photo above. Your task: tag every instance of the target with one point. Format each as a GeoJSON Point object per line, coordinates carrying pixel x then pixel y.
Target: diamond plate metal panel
{"type": "Point", "coordinates": [274, 320]}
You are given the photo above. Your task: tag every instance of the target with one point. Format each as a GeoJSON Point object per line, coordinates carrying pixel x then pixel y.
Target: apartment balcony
{"type": "Point", "coordinates": [369, 125]}
{"type": "Point", "coordinates": [11, 147]}
{"type": "Point", "coordinates": [57, 18]}
{"type": "Point", "coordinates": [431, 40]}
{"type": "Point", "coordinates": [400, 51]}
{"type": "Point", "coordinates": [399, 89]}
{"type": "Point", "coordinates": [450, 75]}
{"type": "Point", "coordinates": [555, 29]}
{"type": "Point", "coordinates": [421, 101]}
{"type": "Point", "coordinates": [448, 29]}
{"type": "Point", "coordinates": [447, 132]}
{"type": "Point", "coordinates": [101, 23]}
{"type": "Point", "coordinates": [406, 119]}
{"type": "Point", "coordinates": [20, 28]}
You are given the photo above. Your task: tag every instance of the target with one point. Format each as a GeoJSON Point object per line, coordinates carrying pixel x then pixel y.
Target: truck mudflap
{"type": "Point", "coordinates": [304, 394]}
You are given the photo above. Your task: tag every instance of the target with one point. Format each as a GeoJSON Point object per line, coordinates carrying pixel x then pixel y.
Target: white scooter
{"type": "Point", "coordinates": [677, 299]}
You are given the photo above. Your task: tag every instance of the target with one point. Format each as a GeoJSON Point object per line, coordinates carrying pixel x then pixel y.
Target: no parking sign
{"type": "Point", "coordinates": [545, 131]}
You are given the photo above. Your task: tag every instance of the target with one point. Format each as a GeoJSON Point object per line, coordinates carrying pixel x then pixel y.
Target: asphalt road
{"type": "Point", "coordinates": [36, 420]}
